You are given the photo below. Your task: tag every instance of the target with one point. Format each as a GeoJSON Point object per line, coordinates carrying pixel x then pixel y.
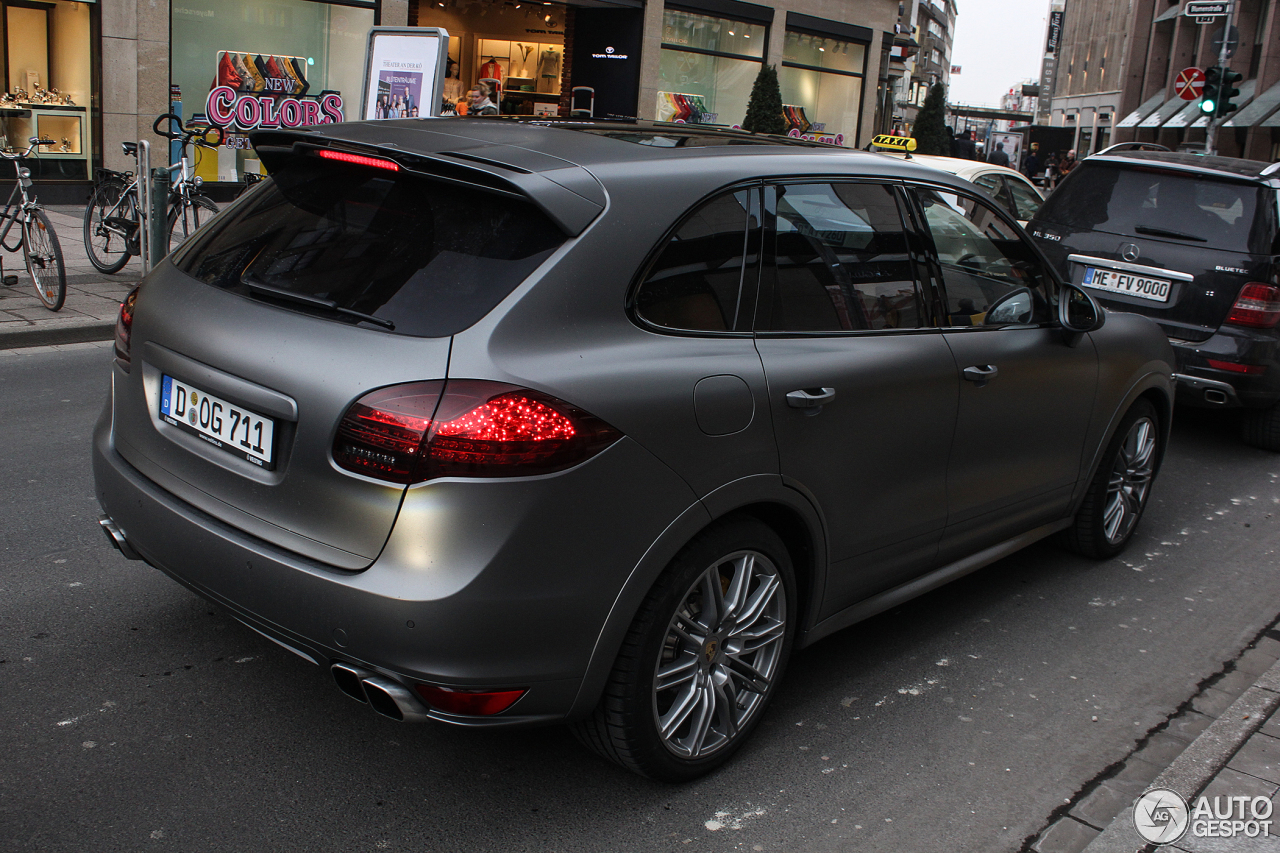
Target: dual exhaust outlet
{"type": "Point", "coordinates": [389, 698]}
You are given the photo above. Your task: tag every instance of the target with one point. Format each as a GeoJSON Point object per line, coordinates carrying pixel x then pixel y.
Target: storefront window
{"type": "Point", "coordinates": [821, 79]}
{"type": "Point", "coordinates": [707, 67]}
{"type": "Point", "coordinates": [46, 69]}
{"type": "Point", "coordinates": [244, 64]}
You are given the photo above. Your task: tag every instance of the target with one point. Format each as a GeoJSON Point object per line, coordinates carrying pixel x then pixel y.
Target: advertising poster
{"type": "Point", "coordinates": [404, 72]}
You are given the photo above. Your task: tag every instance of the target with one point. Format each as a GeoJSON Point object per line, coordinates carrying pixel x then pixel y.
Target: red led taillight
{"type": "Point", "coordinates": [359, 159]}
{"type": "Point", "coordinates": [1234, 367]}
{"type": "Point", "coordinates": [412, 433]}
{"type": "Point", "coordinates": [481, 703]}
{"type": "Point", "coordinates": [1257, 306]}
{"type": "Point", "coordinates": [124, 327]}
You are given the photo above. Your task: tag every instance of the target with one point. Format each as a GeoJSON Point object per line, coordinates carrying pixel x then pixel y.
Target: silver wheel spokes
{"type": "Point", "coordinates": [720, 655]}
{"type": "Point", "coordinates": [1130, 480]}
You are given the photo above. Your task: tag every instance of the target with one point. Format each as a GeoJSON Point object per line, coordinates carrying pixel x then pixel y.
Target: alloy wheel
{"type": "Point", "coordinates": [1130, 480]}
{"type": "Point", "coordinates": [721, 654]}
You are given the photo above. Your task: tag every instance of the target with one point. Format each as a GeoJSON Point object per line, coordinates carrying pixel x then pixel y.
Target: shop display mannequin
{"type": "Point", "coordinates": [453, 90]}
{"type": "Point", "coordinates": [549, 71]}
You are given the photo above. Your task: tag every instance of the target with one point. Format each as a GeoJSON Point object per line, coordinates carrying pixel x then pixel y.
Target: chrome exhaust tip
{"type": "Point", "coordinates": [392, 699]}
{"type": "Point", "coordinates": [348, 680]}
{"type": "Point", "coordinates": [1213, 395]}
{"type": "Point", "coordinates": [117, 538]}
{"type": "Point", "coordinates": [388, 697]}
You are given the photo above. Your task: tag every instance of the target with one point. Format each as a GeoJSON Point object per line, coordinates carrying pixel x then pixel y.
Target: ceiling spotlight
{"type": "Point", "coordinates": [731, 32]}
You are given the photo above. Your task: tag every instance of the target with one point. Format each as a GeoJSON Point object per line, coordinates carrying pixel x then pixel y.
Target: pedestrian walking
{"type": "Point", "coordinates": [1031, 166]}
{"type": "Point", "coordinates": [998, 157]}
{"type": "Point", "coordinates": [965, 149]}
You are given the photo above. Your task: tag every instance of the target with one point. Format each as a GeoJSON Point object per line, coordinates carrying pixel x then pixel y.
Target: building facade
{"type": "Point", "coordinates": [1165, 41]}
{"type": "Point", "coordinates": [1089, 51]}
{"type": "Point", "coordinates": [921, 56]}
{"type": "Point", "coordinates": [92, 75]}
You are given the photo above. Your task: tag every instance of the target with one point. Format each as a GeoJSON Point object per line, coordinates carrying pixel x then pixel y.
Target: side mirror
{"type": "Point", "coordinates": [1015, 307]}
{"type": "Point", "coordinates": [1078, 313]}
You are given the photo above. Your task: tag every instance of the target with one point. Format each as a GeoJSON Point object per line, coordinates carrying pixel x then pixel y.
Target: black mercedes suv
{"type": "Point", "coordinates": [1192, 242]}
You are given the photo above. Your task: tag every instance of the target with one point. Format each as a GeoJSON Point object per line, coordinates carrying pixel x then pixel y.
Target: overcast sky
{"type": "Point", "coordinates": [998, 44]}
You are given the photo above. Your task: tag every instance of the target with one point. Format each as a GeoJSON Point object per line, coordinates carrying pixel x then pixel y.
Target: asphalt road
{"type": "Point", "coordinates": [138, 717]}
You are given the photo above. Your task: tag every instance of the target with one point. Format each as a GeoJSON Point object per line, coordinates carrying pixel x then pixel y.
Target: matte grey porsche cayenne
{"type": "Point", "coordinates": [506, 423]}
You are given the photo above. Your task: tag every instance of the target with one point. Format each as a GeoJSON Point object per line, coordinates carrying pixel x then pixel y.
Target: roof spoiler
{"type": "Point", "coordinates": [570, 196]}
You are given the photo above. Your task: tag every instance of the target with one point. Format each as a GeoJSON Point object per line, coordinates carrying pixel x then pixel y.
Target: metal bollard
{"type": "Point", "coordinates": [158, 224]}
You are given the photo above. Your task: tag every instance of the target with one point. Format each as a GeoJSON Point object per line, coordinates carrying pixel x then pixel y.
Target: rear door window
{"type": "Point", "coordinates": [704, 278]}
{"type": "Point", "coordinates": [425, 257]}
{"type": "Point", "coordinates": [842, 262]}
{"type": "Point", "coordinates": [1145, 201]}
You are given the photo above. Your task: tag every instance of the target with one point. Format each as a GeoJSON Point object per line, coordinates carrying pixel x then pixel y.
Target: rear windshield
{"type": "Point", "coordinates": [429, 257]}
{"type": "Point", "coordinates": [1164, 205]}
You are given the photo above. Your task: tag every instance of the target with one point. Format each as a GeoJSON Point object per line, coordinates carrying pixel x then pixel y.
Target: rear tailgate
{"type": "Point", "coordinates": [297, 372]}
{"type": "Point", "coordinates": [327, 282]}
{"type": "Point", "coordinates": [1176, 246]}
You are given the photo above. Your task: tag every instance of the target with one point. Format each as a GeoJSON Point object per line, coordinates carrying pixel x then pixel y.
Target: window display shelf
{"type": "Point", "coordinates": [67, 157]}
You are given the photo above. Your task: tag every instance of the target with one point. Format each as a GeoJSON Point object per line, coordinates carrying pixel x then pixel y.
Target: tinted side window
{"type": "Point", "coordinates": [841, 262]}
{"type": "Point", "coordinates": [984, 260]}
{"type": "Point", "coordinates": [696, 283]}
{"type": "Point", "coordinates": [430, 257]}
{"type": "Point", "coordinates": [1025, 201]}
{"type": "Point", "coordinates": [994, 185]}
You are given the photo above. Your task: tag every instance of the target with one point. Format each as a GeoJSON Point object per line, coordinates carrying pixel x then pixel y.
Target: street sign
{"type": "Point", "coordinates": [1190, 83]}
{"type": "Point", "coordinates": [1200, 9]}
{"type": "Point", "coordinates": [1233, 40]}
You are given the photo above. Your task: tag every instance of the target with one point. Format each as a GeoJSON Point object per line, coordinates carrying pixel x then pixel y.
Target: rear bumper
{"type": "Point", "coordinates": [1199, 384]}
{"type": "Point", "coordinates": [467, 594]}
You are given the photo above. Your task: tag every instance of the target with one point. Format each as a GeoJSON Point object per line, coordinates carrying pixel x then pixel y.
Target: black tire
{"type": "Point", "coordinates": [185, 220]}
{"type": "Point", "coordinates": [721, 675]}
{"type": "Point", "coordinates": [107, 248]}
{"type": "Point", "coordinates": [43, 254]}
{"type": "Point", "coordinates": [1261, 428]}
{"type": "Point", "coordinates": [1121, 488]}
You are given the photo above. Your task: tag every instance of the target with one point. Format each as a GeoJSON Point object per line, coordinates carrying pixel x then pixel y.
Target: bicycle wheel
{"type": "Point", "coordinates": [44, 259]}
{"type": "Point", "coordinates": [108, 228]}
{"type": "Point", "coordinates": [184, 219]}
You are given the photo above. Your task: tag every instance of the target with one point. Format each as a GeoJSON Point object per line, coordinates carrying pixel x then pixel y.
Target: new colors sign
{"type": "Point", "coordinates": [267, 90]}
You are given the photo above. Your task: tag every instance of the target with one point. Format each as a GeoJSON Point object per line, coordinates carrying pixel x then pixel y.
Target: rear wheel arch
{"type": "Point", "coordinates": [763, 498]}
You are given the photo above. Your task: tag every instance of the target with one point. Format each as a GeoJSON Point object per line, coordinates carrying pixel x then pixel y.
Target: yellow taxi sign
{"type": "Point", "coordinates": [897, 143]}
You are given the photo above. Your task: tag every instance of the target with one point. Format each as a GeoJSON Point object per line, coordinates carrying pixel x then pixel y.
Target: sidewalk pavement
{"type": "Point", "coordinates": [1224, 742]}
{"type": "Point", "coordinates": [93, 299]}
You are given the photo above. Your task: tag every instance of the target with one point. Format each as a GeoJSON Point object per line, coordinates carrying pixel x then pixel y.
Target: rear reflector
{"type": "Point", "coordinates": [413, 433]}
{"type": "Point", "coordinates": [359, 159]}
{"type": "Point", "coordinates": [1252, 369]}
{"type": "Point", "coordinates": [124, 328]}
{"type": "Point", "coordinates": [1257, 306]}
{"type": "Point", "coordinates": [476, 703]}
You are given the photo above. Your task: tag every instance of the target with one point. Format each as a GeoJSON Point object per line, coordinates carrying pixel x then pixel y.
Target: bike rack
{"type": "Point", "coordinates": [143, 162]}
{"type": "Point", "coordinates": [153, 187]}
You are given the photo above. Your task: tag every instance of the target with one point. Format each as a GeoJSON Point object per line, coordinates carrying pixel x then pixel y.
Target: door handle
{"type": "Point", "coordinates": [981, 373]}
{"type": "Point", "coordinates": [810, 398]}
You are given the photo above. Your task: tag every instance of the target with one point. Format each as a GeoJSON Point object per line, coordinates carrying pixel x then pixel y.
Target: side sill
{"type": "Point", "coordinates": [926, 583]}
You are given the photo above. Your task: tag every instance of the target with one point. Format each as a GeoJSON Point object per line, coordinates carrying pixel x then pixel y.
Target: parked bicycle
{"type": "Point", "coordinates": [114, 219]}
{"type": "Point", "coordinates": [36, 238]}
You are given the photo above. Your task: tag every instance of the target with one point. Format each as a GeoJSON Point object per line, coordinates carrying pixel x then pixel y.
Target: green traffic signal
{"type": "Point", "coordinates": [1212, 84]}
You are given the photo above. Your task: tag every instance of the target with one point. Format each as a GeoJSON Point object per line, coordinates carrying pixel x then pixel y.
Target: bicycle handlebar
{"type": "Point", "coordinates": [169, 134]}
{"type": "Point", "coordinates": [185, 136]}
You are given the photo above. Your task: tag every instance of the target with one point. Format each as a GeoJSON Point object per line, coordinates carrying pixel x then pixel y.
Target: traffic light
{"type": "Point", "coordinates": [1212, 84]}
{"type": "Point", "coordinates": [1227, 90]}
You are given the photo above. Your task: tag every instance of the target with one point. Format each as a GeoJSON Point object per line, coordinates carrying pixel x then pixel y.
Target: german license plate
{"type": "Point", "coordinates": [1128, 284]}
{"type": "Point", "coordinates": [232, 428]}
